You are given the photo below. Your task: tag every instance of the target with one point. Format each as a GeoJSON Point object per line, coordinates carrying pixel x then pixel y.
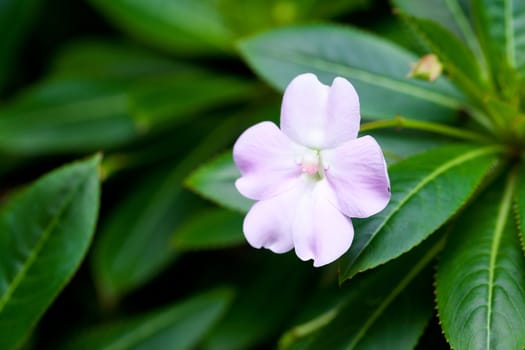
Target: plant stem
{"type": "Point", "coordinates": [401, 122]}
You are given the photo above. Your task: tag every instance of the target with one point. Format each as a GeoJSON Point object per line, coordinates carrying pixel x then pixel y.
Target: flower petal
{"type": "Point", "coordinates": [268, 224]}
{"type": "Point", "coordinates": [319, 116]}
{"type": "Point", "coordinates": [266, 159]}
{"type": "Point", "coordinates": [320, 231]}
{"type": "Point", "coordinates": [357, 173]}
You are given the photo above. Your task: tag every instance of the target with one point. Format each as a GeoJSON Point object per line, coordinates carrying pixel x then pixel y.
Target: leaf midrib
{"type": "Point", "coordinates": [412, 273]}
{"type": "Point", "coordinates": [32, 258]}
{"type": "Point", "coordinates": [501, 221]}
{"type": "Point", "coordinates": [372, 78]}
{"type": "Point", "coordinates": [509, 33]}
{"type": "Point", "coordinates": [438, 171]}
{"type": "Point", "coordinates": [468, 33]}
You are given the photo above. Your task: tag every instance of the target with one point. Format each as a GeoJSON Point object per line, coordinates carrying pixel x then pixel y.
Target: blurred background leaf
{"type": "Point", "coordinates": [17, 18]}
{"type": "Point", "coordinates": [176, 327]}
{"type": "Point", "coordinates": [102, 97]}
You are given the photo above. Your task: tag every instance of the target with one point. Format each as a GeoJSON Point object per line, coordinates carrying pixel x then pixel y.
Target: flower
{"type": "Point", "coordinates": [313, 174]}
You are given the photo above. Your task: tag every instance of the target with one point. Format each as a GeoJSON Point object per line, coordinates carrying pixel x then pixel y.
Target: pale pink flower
{"type": "Point", "coordinates": [313, 174]}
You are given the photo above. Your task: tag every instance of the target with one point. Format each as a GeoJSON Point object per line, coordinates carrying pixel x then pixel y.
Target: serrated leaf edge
{"type": "Point", "coordinates": [439, 170]}
{"type": "Point", "coordinates": [412, 273]}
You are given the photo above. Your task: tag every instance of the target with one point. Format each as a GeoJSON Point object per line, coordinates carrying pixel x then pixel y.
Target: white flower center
{"type": "Point", "coordinates": [311, 164]}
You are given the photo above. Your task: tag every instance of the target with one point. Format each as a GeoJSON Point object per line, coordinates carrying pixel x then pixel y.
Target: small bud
{"type": "Point", "coordinates": [427, 68]}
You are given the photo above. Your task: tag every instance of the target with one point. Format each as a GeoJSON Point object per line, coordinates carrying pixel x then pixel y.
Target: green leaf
{"type": "Point", "coordinates": [481, 276]}
{"type": "Point", "coordinates": [252, 319]}
{"type": "Point", "coordinates": [385, 309]}
{"type": "Point", "coordinates": [401, 144]}
{"type": "Point", "coordinates": [458, 60]}
{"type": "Point", "coordinates": [450, 14]}
{"type": "Point", "coordinates": [103, 59]}
{"type": "Point", "coordinates": [209, 229]}
{"type": "Point", "coordinates": [176, 327]}
{"type": "Point", "coordinates": [181, 26]}
{"type": "Point", "coordinates": [500, 25]}
{"type": "Point", "coordinates": [16, 19]}
{"type": "Point", "coordinates": [215, 181]}
{"type": "Point", "coordinates": [67, 116]}
{"type": "Point", "coordinates": [134, 244]}
{"type": "Point", "coordinates": [433, 185]}
{"type": "Point", "coordinates": [102, 97]}
{"type": "Point", "coordinates": [45, 232]}
{"type": "Point", "coordinates": [161, 100]}
{"type": "Point", "coordinates": [248, 17]}
{"type": "Point", "coordinates": [376, 67]}
{"type": "Point", "coordinates": [520, 206]}
{"type": "Point", "coordinates": [134, 241]}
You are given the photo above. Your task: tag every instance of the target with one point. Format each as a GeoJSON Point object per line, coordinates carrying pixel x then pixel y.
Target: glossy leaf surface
{"type": "Point", "coordinates": [433, 185]}
{"type": "Point", "coordinates": [40, 252]}
{"type": "Point", "coordinates": [481, 277]}
{"type": "Point", "coordinates": [376, 67]}
{"type": "Point", "coordinates": [362, 319]}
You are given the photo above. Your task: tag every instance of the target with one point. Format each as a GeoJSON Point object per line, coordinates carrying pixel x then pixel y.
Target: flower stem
{"type": "Point", "coordinates": [401, 122]}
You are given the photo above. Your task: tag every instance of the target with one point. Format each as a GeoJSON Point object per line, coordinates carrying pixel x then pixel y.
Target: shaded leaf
{"type": "Point", "coordinates": [134, 244]}
{"type": "Point", "coordinates": [376, 67]}
{"type": "Point", "coordinates": [177, 327]}
{"type": "Point", "coordinates": [216, 181]}
{"type": "Point", "coordinates": [40, 252]}
{"type": "Point", "coordinates": [209, 229]}
{"type": "Point", "coordinates": [67, 116]}
{"type": "Point", "coordinates": [266, 300]}
{"type": "Point", "coordinates": [363, 317]}
{"type": "Point", "coordinates": [122, 95]}
{"type": "Point", "coordinates": [481, 277]}
{"type": "Point", "coordinates": [433, 185]}
{"type": "Point", "coordinates": [16, 18]}
{"type": "Point", "coordinates": [181, 26]}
